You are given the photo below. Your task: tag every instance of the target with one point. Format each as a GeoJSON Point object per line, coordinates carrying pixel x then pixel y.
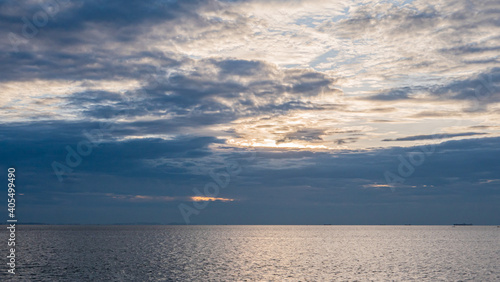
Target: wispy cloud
{"type": "Point", "coordinates": [434, 136]}
{"type": "Point", "coordinates": [209, 199]}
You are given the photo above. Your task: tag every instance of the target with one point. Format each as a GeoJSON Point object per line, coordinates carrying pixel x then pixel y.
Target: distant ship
{"type": "Point", "coordinates": [462, 224]}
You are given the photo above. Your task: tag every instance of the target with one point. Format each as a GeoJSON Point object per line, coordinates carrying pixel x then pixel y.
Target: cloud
{"type": "Point", "coordinates": [122, 21]}
{"type": "Point", "coordinates": [346, 140]}
{"type": "Point", "coordinates": [482, 88]}
{"type": "Point", "coordinates": [434, 136]}
{"type": "Point", "coordinates": [392, 95]}
{"type": "Point", "coordinates": [310, 135]}
{"type": "Point", "coordinates": [111, 151]}
{"type": "Point", "coordinates": [224, 89]}
{"type": "Point", "coordinates": [141, 198]}
{"type": "Point", "coordinates": [209, 199]}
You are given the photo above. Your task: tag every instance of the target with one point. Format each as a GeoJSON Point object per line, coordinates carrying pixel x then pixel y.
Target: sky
{"type": "Point", "coordinates": [252, 112]}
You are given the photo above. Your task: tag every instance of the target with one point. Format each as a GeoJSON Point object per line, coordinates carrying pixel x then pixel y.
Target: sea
{"type": "Point", "coordinates": [253, 253]}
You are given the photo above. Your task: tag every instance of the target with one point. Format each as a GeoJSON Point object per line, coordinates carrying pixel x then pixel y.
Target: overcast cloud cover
{"type": "Point", "coordinates": [300, 112]}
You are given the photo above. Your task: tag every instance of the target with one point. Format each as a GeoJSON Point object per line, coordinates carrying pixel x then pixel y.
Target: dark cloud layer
{"type": "Point", "coordinates": [392, 95]}
{"type": "Point", "coordinates": [480, 89]}
{"type": "Point", "coordinates": [199, 93]}
{"type": "Point", "coordinates": [434, 136]}
{"type": "Point", "coordinates": [286, 181]}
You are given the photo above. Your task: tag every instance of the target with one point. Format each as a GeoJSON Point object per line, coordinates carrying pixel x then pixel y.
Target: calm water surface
{"type": "Point", "coordinates": [236, 253]}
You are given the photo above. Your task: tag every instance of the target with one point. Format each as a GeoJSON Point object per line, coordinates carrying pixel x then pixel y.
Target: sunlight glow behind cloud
{"type": "Point", "coordinates": [210, 199]}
